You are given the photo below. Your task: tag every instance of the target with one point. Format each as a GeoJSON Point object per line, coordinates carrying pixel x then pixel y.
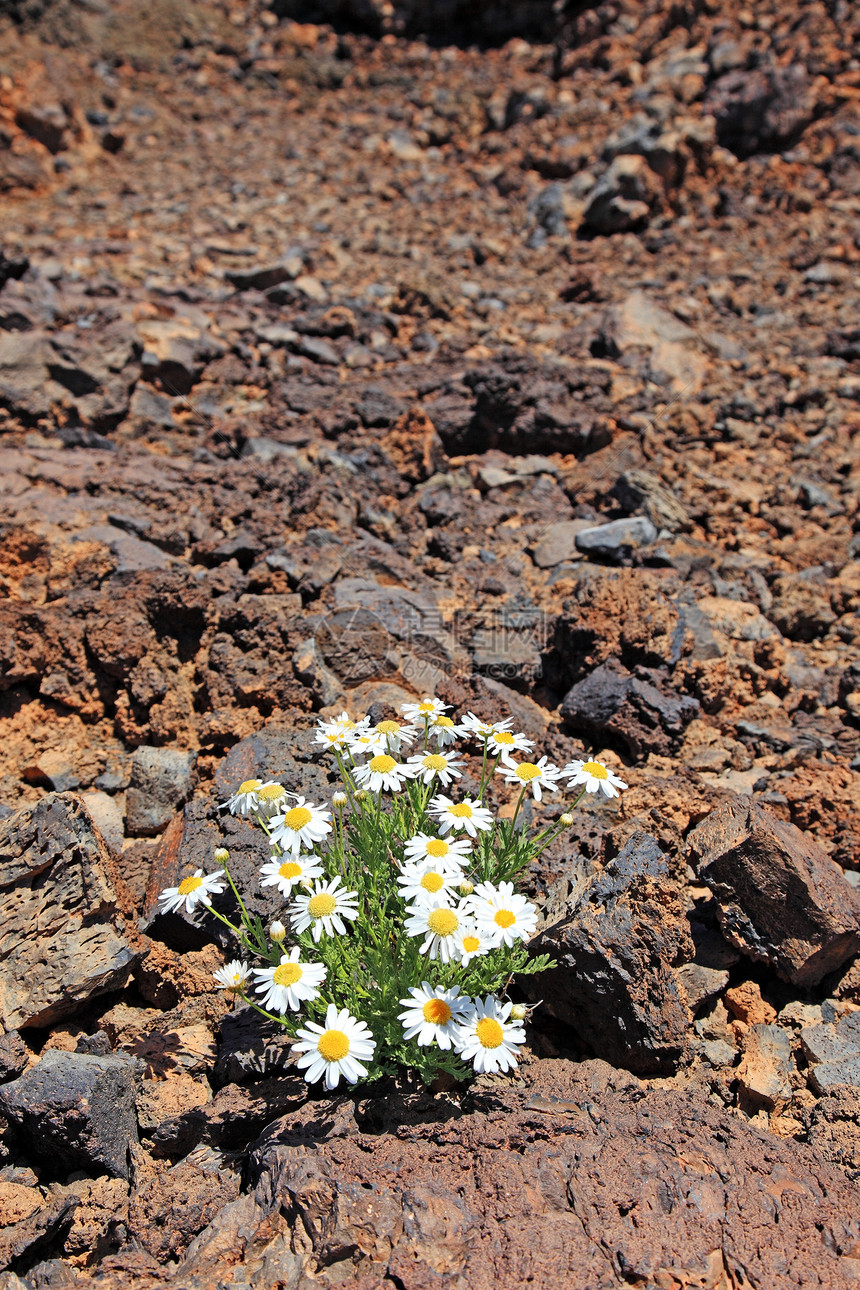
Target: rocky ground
{"type": "Point", "coordinates": [506, 352]}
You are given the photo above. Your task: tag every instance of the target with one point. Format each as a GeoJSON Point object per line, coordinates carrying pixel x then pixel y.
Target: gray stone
{"type": "Point", "coordinates": [75, 1111]}
{"type": "Point", "coordinates": [59, 923]}
{"type": "Point", "coordinates": [639, 490]}
{"type": "Point", "coordinates": [833, 1050]}
{"type": "Point", "coordinates": [701, 984]}
{"type": "Point", "coordinates": [780, 898]}
{"type": "Point", "coordinates": [618, 539]}
{"type": "Point", "coordinates": [557, 544]}
{"type": "Point", "coordinates": [162, 780]}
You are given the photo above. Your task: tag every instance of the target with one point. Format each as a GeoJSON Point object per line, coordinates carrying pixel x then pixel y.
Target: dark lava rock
{"type": "Point", "coordinates": [616, 707]}
{"type": "Point", "coordinates": [615, 946]}
{"type": "Point", "coordinates": [780, 898]}
{"type": "Point", "coordinates": [74, 1111]}
{"type": "Point", "coordinates": [624, 199]}
{"type": "Point", "coordinates": [763, 109]}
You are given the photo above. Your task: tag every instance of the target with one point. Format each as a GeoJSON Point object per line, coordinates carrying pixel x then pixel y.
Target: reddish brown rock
{"type": "Point", "coordinates": [780, 898]}
{"type": "Point", "coordinates": [572, 1178]}
{"type": "Point", "coordinates": [60, 922]}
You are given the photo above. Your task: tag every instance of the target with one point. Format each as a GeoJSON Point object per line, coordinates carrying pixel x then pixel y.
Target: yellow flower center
{"type": "Point", "coordinates": [595, 769]}
{"type": "Point", "coordinates": [443, 922]}
{"type": "Point", "coordinates": [437, 1012]}
{"type": "Point", "coordinates": [188, 885]}
{"type": "Point", "coordinates": [271, 792]}
{"type": "Point", "coordinates": [437, 848]}
{"type": "Point", "coordinates": [236, 978]}
{"type": "Point", "coordinates": [432, 881]}
{"type": "Point", "coordinates": [426, 706]}
{"type": "Point", "coordinates": [382, 764]}
{"type": "Point", "coordinates": [322, 905]}
{"type": "Point", "coordinates": [297, 818]}
{"type": "Point", "coordinates": [445, 722]}
{"type": "Point", "coordinates": [289, 869]}
{"type": "Point", "coordinates": [250, 786]}
{"type": "Point", "coordinates": [471, 943]}
{"type": "Point", "coordinates": [388, 728]}
{"type": "Point", "coordinates": [334, 739]}
{"type": "Point", "coordinates": [332, 1045]}
{"type": "Point", "coordinates": [287, 974]}
{"type": "Point", "coordinates": [505, 918]}
{"type": "Point", "coordinates": [489, 1033]}
{"type": "Point", "coordinates": [462, 811]}
{"type": "Point", "coordinates": [503, 737]}
{"type": "Point", "coordinates": [528, 770]}
{"type": "Point", "coordinates": [434, 761]}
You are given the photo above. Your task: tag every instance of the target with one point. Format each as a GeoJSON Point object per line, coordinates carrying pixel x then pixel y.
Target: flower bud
{"type": "Point", "coordinates": [519, 1012]}
{"type": "Point", "coordinates": [221, 855]}
{"type": "Point", "coordinates": [466, 888]}
{"type": "Point", "coordinates": [277, 932]}
{"type": "Point", "coordinates": [338, 799]}
{"type": "Point", "coordinates": [361, 795]}
{"type": "Point", "coordinates": [566, 819]}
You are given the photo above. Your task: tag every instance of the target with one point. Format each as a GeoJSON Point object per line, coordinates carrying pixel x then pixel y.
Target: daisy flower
{"type": "Point", "coordinates": [244, 800]}
{"type": "Point", "coordinates": [438, 765]}
{"type": "Point", "coordinates": [390, 735]}
{"type": "Point", "coordinates": [501, 914]}
{"type": "Point", "coordinates": [323, 910]}
{"type": "Point", "coordinates": [366, 742]}
{"type": "Point", "coordinates": [289, 871]}
{"type": "Point", "coordinates": [596, 777]}
{"type": "Point", "coordinates": [426, 710]}
{"type": "Point", "coordinates": [488, 1039]}
{"type": "Point", "coordinates": [335, 737]}
{"type": "Point", "coordinates": [301, 827]}
{"type": "Point", "coordinates": [433, 1014]}
{"type": "Point", "coordinates": [340, 1047]}
{"type": "Point", "coordinates": [534, 775]}
{"type": "Point", "coordinates": [502, 743]}
{"type": "Point", "coordinates": [345, 722]}
{"type": "Point", "coordinates": [290, 984]}
{"type": "Point", "coordinates": [271, 800]}
{"type": "Point", "coordinates": [469, 943]}
{"type": "Point", "coordinates": [439, 925]}
{"type": "Point", "coordinates": [196, 890]}
{"type": "Point", "coordinates": [468, 814]}
{"type": "Point", "coordinates": [444, 852]}
{"type": "Point", "coordinates": [382, 772]}
{"type": "Point", "coordinates": [445, 731]}
{"type": "Point", "coordinates": [480, 729]}
{"type": "Point", "coordinates": [428, 882]}
{"type": "Point", "coordinates": [232, 976]}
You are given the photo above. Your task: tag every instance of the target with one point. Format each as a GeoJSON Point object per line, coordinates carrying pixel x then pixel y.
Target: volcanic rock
{"type": "Point", "coordinates": [74, 1111]}
{"type": "Point", "coordinates": [616, 946]}
{"type": "Point", "coordinates": [59, 923]}
{"type": "Point", "coordinates": [780, 898]}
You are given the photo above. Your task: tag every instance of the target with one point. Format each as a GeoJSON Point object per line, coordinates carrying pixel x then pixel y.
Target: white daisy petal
{"type": "Point", "coordinates": [300, 828]}
{"type": "Point", "coordinates": [502, 915]}
{"type": "Point", "coordinates": [488, 1039]}
{"type": "Point", "coordinates": [534, 775]}
{"type": "Point", "coordinates": [468, 815]}
{"type": "Point", "coordinates": [596, 777]}
{"type": "Point", "coordinates": [331, 1050]}
{"type": "Point", "coordinates": [290, 984]}
{"type": "Point", "coordinates": [432, 1016]}
{"type": "Point", "coordinates": [323, 909]}
{"type": "Point", "coordinates": [198, 889]}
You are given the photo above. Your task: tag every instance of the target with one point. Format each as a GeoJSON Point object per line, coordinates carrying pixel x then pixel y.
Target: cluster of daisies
{"type": "Point", "coordinates": [404, 899]}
